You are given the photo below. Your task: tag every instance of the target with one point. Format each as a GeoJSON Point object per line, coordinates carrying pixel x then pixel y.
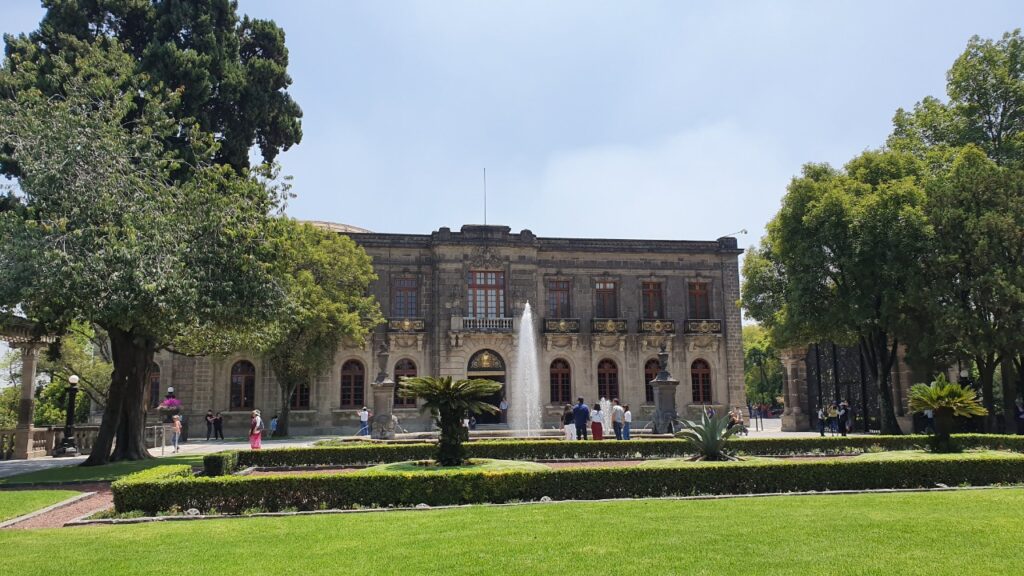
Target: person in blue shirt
{"type": "Point", "coordinates": [581, 416]}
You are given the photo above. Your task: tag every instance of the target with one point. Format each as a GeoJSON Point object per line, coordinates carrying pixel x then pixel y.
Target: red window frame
{"type": "Point", "coordinates": [404, 297]}
{"type": "Point", "coordinates": [300, 397]}
{"type": "Point", "coordinates": [558, 299]}
{"type": "Point", "coordinates": [700, 376]}
{"type": "Point", "coordinates": [653, 299]}
{"type": "Point", "coordinates": [606, 299]}
{"type": "Point", "coordinates": [561, 382]}
{"type": "Point", "coordinates": [485, 294]}
{"type": "Point", "coordinates": [404, 368]}
{"type": "Point", "coordinates": [243, 385]}
{"type": "Point", "coordinates": [607, 379]}
{"type": "Point", "coordinates": [651, 369]}
{"type": "Point", "coordinates": [700, 301]}
{"type": "Point", "coordinates": [353, 384]}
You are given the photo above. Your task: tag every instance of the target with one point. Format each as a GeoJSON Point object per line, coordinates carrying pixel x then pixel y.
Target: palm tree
{"type": "Point", "coordinates": [708, 437]}
{"type": "Point", "coordinates": [450, 402]}
{"type": "Point", "coordinates": [945, 399]}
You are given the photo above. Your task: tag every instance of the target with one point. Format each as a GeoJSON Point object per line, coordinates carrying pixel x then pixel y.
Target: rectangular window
{"type": "Point", "coordinates": [485, 294]}
{"type": "Point", "coordinates": [300, 397]}
{"type": "Point", "coordinates": [558, 299]}
{"type": "Point", "coordinates": [700, 301]}
{"type": "Point", "coordinates": [606, 305]}
{"type": "Point", "coordinates": [404, 292]}
{"type": "Point", "coordinates": [653, 302]}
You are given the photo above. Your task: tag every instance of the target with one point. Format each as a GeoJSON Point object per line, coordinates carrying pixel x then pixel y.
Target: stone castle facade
{"type": "Point", "coordinates": [453, 302]}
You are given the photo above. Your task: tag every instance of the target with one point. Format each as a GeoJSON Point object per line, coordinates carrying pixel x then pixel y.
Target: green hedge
{"type": "Point", "coordinates": [147, 484]}
{"type": "Point", "coordinates": [313, 491]}
{"type": "Point", "coordinates": [367, 453]}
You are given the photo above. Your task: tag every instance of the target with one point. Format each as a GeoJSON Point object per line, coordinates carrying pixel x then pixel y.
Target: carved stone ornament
{"type": "Point", "coordinates": [609, 342]}
{"type": "Point", "coordinates": [703, 342]}
{"type": "Point", "coordinates": [402, 340]}
{"type": "Point", "coordinates": [555, 341]}
{"type": "Point", "coordinates": [485, 257]}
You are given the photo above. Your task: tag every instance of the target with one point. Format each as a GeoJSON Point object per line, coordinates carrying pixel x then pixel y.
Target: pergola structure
{"type": "Point", "coordinates": [25, 335]}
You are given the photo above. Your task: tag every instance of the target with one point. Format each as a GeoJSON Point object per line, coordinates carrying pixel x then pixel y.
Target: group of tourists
{"type": "Point", "coordinates": [577, 419]}
{"type": "Point", "coordinates": [836, 418]}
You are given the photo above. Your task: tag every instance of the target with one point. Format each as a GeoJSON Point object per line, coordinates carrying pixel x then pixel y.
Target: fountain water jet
{"type": "Point", "coordinates": [524, 412]}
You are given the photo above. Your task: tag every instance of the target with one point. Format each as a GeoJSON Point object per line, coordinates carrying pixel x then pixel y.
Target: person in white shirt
{"type": "Point", "coordinates": [627, 418]}
{"type": "Point", "coordinates": [618, 418]}
{"type": "Point", "coordinates": [364, 422]}
{"type": "Point", "coordinates": [503, 406]}
{"type": "Point", "coordinates": [597, 422]}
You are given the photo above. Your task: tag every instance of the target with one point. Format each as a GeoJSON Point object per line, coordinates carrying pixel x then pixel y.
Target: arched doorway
{"type": "Point", "coordinates": [490, 365]}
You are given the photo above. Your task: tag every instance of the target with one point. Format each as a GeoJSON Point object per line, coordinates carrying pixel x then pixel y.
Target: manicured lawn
{"type": "Point", "coordinates": [869, 456]}
{"type": "Point", "coordinates": [98, 473]}
{"type": "Point", "coordinates": [14, 503]}
{"type": "Point", "coordinates": [955, 533]}
{"type": "Point", "coordinates": [476, 465]}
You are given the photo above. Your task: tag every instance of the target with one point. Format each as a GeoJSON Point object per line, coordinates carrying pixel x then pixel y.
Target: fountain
{"type": "Point", "coordinates": [524, 412]}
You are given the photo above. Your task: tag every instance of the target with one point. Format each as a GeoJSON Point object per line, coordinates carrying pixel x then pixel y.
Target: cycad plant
{"type": "Point", "coordinates": [450, 402]}
{"type": "Point", "coordinates": [945, 399]}
{"type": "Point", "coordinates": [708, 437]}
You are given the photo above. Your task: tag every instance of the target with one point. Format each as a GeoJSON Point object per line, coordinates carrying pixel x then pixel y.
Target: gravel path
{"type": "Point", "coordinates": [101, 500]}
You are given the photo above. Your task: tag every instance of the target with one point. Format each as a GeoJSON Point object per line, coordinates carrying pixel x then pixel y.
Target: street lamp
{"type": "Point", "coordinates": [67, 445]}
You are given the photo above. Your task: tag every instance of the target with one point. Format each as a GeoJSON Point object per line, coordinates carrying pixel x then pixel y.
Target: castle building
{"type": "Point", "coordinates": [453, 303]}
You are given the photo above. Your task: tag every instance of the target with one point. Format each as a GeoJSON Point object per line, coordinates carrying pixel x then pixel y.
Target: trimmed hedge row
{"type": "Point", "coordinates": [316, 491]}
{"type": "Point", "coordinates": [143, 485]}
{"type": "Point", "coordinates": [362, 454]}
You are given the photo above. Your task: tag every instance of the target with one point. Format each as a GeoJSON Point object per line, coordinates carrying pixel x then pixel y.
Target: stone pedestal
{"type": "Point", "coordinates": [664, 387]}
{"type": "Point", "coordinates": [382, 427]}
{"type": "Point", "coordinates": [794, 390]}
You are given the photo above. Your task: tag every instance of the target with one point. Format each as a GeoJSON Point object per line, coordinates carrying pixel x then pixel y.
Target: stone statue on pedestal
{"type": "Point", "coordinates": [664, 387]}
{"type": "Point", "coordinates": [383, 425]}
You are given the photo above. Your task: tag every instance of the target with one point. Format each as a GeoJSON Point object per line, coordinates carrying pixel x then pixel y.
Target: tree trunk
{"type": "Point", "coordinates": [880, 361]}
{"type": "Point", "coordinates": [122, 431]}
{"type": "Point", "coordinates": [943, 418]}
{"type": "Point", "coordinates": [286, 406]}
{"type": "Point", "coordinates": [450, 451]}
{"type": "Point", "coordinates": [1009, 394]}
{"type": "Point", "coordinates": [987, 370]}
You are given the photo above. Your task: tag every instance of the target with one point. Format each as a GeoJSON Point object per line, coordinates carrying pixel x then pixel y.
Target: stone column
{"type": "Point", "coordinates": [795, 390]}
{"type": "Point", "coordinates": [383, 425]}
{"type": "Point", "coordinates": [664, 386]}
{"type": "Point", "coordinates": [27, 404]}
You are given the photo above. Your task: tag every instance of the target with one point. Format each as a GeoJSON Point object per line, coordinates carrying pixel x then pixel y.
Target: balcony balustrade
{"type": "Point", "coordinates": [702, 326]}
{"type": "Point", "coordinates": [562, 325]}
{"type": "Point", "coordinates": [608, 325]}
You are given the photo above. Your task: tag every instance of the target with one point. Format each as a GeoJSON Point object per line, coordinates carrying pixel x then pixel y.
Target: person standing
{"type": "Point", "coordinates": [218, 426]}
{"type": "Point", "coordinates": [503, 405]}
{"type": "Point", "coordinates": [581, 415]}
{"type": "Point", "coordinates": [256, 431]}
{"type": "Point", "coordinates": [627, 422]}
{"type": "Point", "coordinates": [833, 416]}
{"type": "Point", "coordinates": [273, 426]}
{"type": "Point", "coordinates": [618, 418]}
{"type": "Point", "coordinates": [209, 424]}
{"type": "Point", "coordinates": [364, 422]}
{"type": "Point", "coordinates": [597, 422]}
{"type": "Point", "coordinates": [569, 423]}
{"type": "Point", "coordinates": [175, 431]}
{"type": "Point", "coordinates": [844, 415]}
{"type": "Point", "coordinates": [821, 421]}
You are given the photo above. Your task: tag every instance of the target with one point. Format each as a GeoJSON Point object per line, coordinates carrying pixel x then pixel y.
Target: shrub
{"type": "Point", "coordinates": [220, 463]}
{"type": "Point", "coordinates": [314, 491]}
{"type": "Point", "coordinates": [149, 486]}
{"type": "Point", "coordinates": [708, 437]}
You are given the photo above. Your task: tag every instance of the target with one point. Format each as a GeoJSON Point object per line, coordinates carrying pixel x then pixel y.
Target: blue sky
{"type": "Point", "coordinates": [639, 119]}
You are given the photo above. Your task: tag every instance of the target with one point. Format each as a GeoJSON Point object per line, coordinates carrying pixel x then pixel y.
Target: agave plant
{"type": "Point", "coordinates": [450, 402]}
{"type": "Point", "coordinates": [708, 437]}
{"type": "Point", "coordinates": [945, 399]}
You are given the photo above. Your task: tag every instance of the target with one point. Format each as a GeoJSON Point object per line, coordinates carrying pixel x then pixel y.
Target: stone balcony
{"type": "Point", "coordinates": [702, 326]}
{"type": "Point", "coordinates": [657, 326]}
{"type": "Point", "coordinates": [561, 325]}
{"type": "Point", "coordinates": [608, 325]}
{"type": "Point", "coordinates": [406, 325]}
{"type": "Point", "coordinates": [473, 324]}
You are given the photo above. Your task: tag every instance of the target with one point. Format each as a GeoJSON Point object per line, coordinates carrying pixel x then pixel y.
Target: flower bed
{"type": "Point", "coordinates": [165, 488]}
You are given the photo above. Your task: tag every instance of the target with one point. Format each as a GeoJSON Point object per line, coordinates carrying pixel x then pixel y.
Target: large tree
{"type": "Point", "coordinates": [762, 370]}
{"type": "Point", "coordinates": [327, 277]}
{"type": "Point", "coordinates": [230, 73]}
{"type": "Point", "coordinates": [106, 229]}
{"type": "Point", "coordinates": [842, 261]}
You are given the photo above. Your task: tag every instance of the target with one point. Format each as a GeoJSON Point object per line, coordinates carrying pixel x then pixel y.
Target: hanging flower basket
{"type": "Point", "coordinates": [169, 408]}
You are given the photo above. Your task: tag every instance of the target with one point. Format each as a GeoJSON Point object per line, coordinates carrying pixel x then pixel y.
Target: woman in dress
{"type": "Point", "coordinates": [597, 422]}
{"type": "Point", "coordinates": [256, 431]}
{"type": "Point", "coordinates": [176, 430]}
{"type": "Point", "coordinates": [568, 423]}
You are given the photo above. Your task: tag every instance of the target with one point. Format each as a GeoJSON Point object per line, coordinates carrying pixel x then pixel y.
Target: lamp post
{"type": "Point", "coordinates": [67, 445]}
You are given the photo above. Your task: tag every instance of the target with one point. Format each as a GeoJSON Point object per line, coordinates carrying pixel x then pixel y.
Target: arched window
{"type": "Point", "coordinates": [154, 385]}
{"type": "Point", "coordinates": [700, 374]}
{"type": "Point", "coordinates": [404, 369]}
{"type": "Point", "coordinates": [353, 379]}
{"type": "Point", "coordinates": [300, 397]}
{"type": "Point", "coordinates": [607, 379]}
{"type": "Point", "coordinates": [243, 385]}
{"type": "Point", "coordinates": [561, 382]}
{"type": "Point", "coordinates": [651, 369]}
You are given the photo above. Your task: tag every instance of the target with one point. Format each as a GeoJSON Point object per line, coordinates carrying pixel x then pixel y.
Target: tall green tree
{"type": "Point", "coordinates": [842, 261]}
{"type": "Point", "coordinates": [230, 72]}
{"type": "Point", "coordinates": [762, 369]}
{"type": "Point", "coordinates": [109, 231]}
{"type": "Point", "coordinates": [327, 277]}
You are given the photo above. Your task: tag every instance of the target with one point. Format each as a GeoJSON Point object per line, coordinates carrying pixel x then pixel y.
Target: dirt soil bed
{"type": "Point", "coordinates": [101, 500]}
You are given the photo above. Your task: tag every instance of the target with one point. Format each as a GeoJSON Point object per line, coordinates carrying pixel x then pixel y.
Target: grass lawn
{"type": "Point", "coordinates": [955, 533]}
{"type": "Point", "coordinates": [14, 503]}
{"type": "Point", "coordinates": [108, 472]}
{"type": "Point", "coordinates": [476, 465]}
{"type": "Point", "coordinates": [869, 456]}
